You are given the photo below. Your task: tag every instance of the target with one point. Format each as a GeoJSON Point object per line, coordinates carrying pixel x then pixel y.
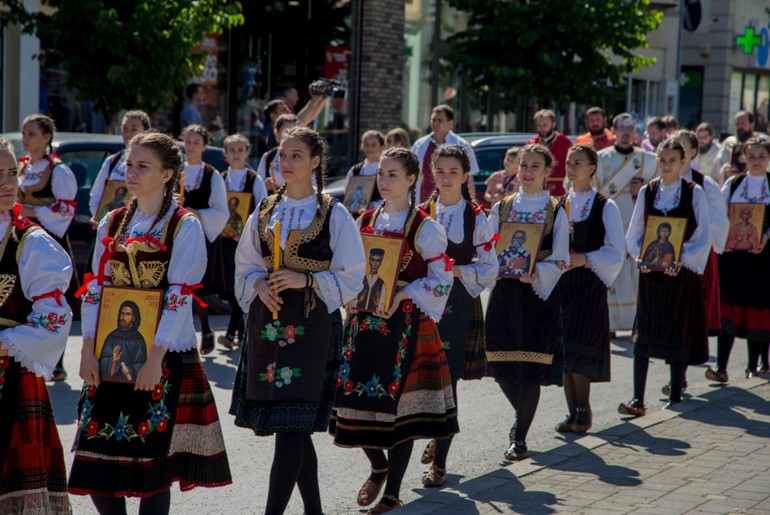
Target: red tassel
{"type": "Point", "coordinates": [188, 289]}
{"type": "Point", "coordinates": [489, 245]}
{"type": "Point", "coordinates": [448, 262]}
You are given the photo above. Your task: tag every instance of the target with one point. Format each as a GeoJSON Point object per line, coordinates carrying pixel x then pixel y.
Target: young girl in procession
{"type": "Point", "coordinates": [525, 346]}
{"type": "Point", "coordinates": [394, 385]}
{"type": "Point", "coordinates": [34, 325]}
{"type": "Point", "coordinates": [47, 189]}
{"type": "Point", "coordinates": [203, 193]}
{"type": "Point", "coordinates": [744, 275]}
{"type": "Point", "coordinates": [670, 313]}
{"type": "Point", "coordinates": [114, 167]}
{"type": "Point", "coordinates": [718, 226]}
{"type": "Point", "coordinates": [122, 448]}
{"type": "Point", "coordinates": [299, 260]}
{"type": "Point", "coordinates": [471, 246]}
{"type": "Point", "coordinates": [372, 145]}
{"type": "Point", "coordinates": [269, 168]}
{"type": "Point", "coordinates": [238, 177]}
{"type": "Point", "coordinates": [397, 137]}
{"type": "Point", "coordinates": [597, 249]}
{"type": "Point", "coordinates": [503, 182]}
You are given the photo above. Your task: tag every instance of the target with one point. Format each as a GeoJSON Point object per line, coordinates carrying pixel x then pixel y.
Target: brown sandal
{"type": "Point", "coordinates": [370, 490]}
{"type": "Point", "coordinates": [429, 453]}
{"type": "Point", "coordinates": [436, 476]}
{"type": "Point", "coordinates": [381, 507]}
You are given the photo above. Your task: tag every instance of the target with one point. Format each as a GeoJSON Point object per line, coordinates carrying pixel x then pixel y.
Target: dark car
{"type": "Point", "coordinates": [84, 154]}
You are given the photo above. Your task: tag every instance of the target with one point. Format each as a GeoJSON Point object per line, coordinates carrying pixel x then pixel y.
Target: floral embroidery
{"type": "Point", "coordinates": [51, 322]}
{"type": "Point", "coordinates": [527, 217]}
{"type": "Point", "coordinates": [158, 416]}
{"type": "Point", "coordinates": [156, 234]}
{"type": "Point", "coordinates": [193, 183]}
{"type": "Point", "coordinates": [674, 202]}
{"type": "Point", "coordinates": [441, 220]}
{"type": "Point", "coordinates": [280, 377]}
{"type": "Point", "coordinates": [173, 302]}
{"type": "Point", "coordinates": [561, 264]}
{"type": "Point", "coordinates": [437, 291]}
{"type": "Point", "coordinates": [445, 344]}
{"type": "Point", "coordinates": [4, 362]}
{"type": "Point", "coordinates": [339, 288]}
{"type": "Point", "coordinates": [761, 199]}
{"type": "Point", "coordinates": [285, 335]}
{"type": "Point", "coordinates": [372, 388]}
{"type": "Point", "coordinates": [373, 323]}
{"type": "Point", "coordinates": [239, 185]}
{"type": "Point", "coordinates": [93, 297]}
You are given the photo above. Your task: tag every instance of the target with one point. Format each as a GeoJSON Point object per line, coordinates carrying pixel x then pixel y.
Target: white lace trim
{"type": "Point", "coordinates": [33, 366]}
{"type": "Point", "coordinates": [177, 346]}
{"type": "Point", "coordinates": [540, 195]}
{"type": "Point", "coordinates": [596, 268]}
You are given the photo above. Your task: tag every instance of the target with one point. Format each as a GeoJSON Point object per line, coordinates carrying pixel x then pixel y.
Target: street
{"type": "Point", "coordinates": [484, 414]}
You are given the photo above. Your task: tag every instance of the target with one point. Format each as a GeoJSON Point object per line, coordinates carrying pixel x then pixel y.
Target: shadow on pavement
{"type": "Point", "coordinates": [590, 463]}
{"type": "Point", "coordinates": [733, 411]}
{"type": "Point", "coordinates": [64, 400]}
{"type": "Point", "coordinates": [650, 444]}
{"type": "Point", "coordinates": [221, 375]}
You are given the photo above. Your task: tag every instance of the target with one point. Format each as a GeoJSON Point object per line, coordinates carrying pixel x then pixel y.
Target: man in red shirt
{"type": "Point", "coordinates": [557, 143]}
{"type": "Point", "coordinates": [598, 135]}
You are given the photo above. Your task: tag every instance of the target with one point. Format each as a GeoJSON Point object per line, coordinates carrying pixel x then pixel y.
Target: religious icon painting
{"type": "Point", "coordinates": [517, 248]}
{"type": "Point", "coordinates": [238, 206]}
{"type": "Point", "coordinates": [662, 242]}
{"type": "Point", "coordinates": [125, 331]}
{"type": "Point", "coordinates": [358, 194]}
{"type": "Point", "coordinates": [384, 259]}
{"type": "Point", "coordinates": [115, 195]}
{"type": "Point", "coordinates": [745, 227]}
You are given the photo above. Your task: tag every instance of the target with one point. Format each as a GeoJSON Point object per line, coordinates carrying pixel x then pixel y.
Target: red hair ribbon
{"type": "Point", "coordinates": [24, 159]}
{"type": "Point", "coordinates": [448, 262]}
{"type": "Point", "coordinates": [478, 209]}
{"type": "Point", "coordinates": [58, 204]}
{"type": "Point", "coordinates": [147, 238]}
{"type": "Point", "coordinates": [17, 222]}
{"type": "Point", "coordinates": [109, 250]}
{"type": "Point", "coordinates": [53, 294]}
{"type": "Point", "coordinates": [489, 245]}
{"type": "Point", "coordinates": [188, 289]}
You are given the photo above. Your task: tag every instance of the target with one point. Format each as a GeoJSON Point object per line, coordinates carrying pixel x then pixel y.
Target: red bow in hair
{"type": "Point", "coordinates": [188, 289]}
{"type": "Point", "coordinates": [53, 294]}
{"type": "Point", "coordinates": [147, 238]}
{"type": "Point", "coordinates": [24, 159]}
{"type": "Point", "coordinates": [448, 262]}
{"type": "Point", "coordinates": [478, 209]}
{"type": "Point", "coordinates": [489, 245]}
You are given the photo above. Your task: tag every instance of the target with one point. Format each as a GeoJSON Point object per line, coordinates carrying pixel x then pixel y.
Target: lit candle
{"type": "Point", "coordinates": [181, 184]}
{"type": "Point", "coordinates": [276, 253]}
{"type": "Point", "coordinates": [433, 209]}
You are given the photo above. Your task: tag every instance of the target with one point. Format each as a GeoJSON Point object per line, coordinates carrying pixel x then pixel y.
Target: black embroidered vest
{"type": "Point", "coordinates": [14, 306]}
{"type": "Point", "coordinates": [199, 199]}
{"type": "Point", "coordinates": [734, 186]}
{"type": "Point", "coordinates": [588, 235]}
{"type": "Point", "coordinates": [683, 210]}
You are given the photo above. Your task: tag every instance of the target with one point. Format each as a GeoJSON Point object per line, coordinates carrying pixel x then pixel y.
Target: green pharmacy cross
{"type": "Point", "coordinates": [748, 40]}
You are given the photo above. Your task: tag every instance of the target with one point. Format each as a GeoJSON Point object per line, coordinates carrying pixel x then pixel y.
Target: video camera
{"type": "Point", "coordinates": [328, 87]}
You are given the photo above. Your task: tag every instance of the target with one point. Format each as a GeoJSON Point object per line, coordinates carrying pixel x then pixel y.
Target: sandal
{"type": "Point", "coordinates": [565, 426]}
{"type": "Point", "coordinates": [370, 490]}
{"type": "Point", "coordinates": [382, 507]}
{"type": "Point", "coordinates": [436, 476]}
{"type": "Point", "coordinates": [517, 451]}
{"type": "Point", "coordinates": [429, 453]}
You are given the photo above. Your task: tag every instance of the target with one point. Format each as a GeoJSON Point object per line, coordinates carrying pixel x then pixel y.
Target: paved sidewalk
{"type": "Point", "coordinates": [712, 455]}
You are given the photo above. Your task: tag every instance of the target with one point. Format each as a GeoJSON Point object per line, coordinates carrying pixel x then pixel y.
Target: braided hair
{"type": "Point", "coordinates": [167, 151]}
{"type": "Point", "coordinates": [45, 124]}
{"type": "Point", "coordinates": [459, 153]}
{"type": "Point", "coordinates": [318, 148]}
{"type": "Point", "coordinates": [411, 166]}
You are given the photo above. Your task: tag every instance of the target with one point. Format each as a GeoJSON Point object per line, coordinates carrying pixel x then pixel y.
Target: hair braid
{"type": "Point", "coordinates": [319, 188]}
{"type": "Point", "coordinates": [466, 192]}
{"type": "Point", "coordinates": [126, 217]}
{"type": "Point", "coordinates": [168, 199]}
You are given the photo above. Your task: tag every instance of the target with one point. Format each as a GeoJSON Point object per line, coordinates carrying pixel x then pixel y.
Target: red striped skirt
{"type": "Point", "coordinates": [32, 475]}
{"type": "Point", "coordinates": [710, 280]}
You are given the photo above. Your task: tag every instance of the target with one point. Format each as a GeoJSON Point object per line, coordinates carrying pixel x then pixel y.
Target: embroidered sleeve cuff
{"type": "Point", "coordinates": [596, 268]}
{"type": "Point", "coordinates": [330, 290]}
{"type": "Point", "coordinates": [36, 367]}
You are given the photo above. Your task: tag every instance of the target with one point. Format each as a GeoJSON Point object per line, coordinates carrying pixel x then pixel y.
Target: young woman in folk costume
{"type": "Point", "coordinates": [671, 313]}
{"type": "Point", "coordinates": [744, 275]}
{"type": "Point", "coordinates": [394, 385]}
{"type": "Point", "coordinates": [203, 193]}
{"type": "Point", "coordinates": [471, 244]}
{"type": "Point", "coordinates": [718, 227]}
{"type": "Point", "coordinates": [597, 251]}
{"type": "Point", "coordinates": [47, 189]}
{"type": "Point", "coordinates": [238, 177]}
{"type": "Point", "coordinates": [34, 325]}
{"type": "Point", "coordinates": [525, 346]}
{"type": "Point", "coordinates": [122, 448]}
{"type": "Point", "coordinates": [286, 379]}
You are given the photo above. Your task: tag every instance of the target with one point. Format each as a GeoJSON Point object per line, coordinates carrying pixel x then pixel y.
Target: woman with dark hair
{"type": "Point", "coordinates": [597, 251]}
{"type": "Point", "coordinates": [122, 448]}
{"type": "Point", "coordinates": [394, 385]}
{"type": "Point", "coordinates": [670, 313]}
{"type": "Point", "coordinates": [525, 345]}
{"type": "Point", "coordinates": [286, 379]}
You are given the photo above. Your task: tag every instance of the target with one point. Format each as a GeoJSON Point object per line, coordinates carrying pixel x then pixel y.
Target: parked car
{"type": "Point", "coordinates": [84, 153]}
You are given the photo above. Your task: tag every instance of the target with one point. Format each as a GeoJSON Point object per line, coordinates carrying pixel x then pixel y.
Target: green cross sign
{"type": "Point", "coordinates": [748, 40]}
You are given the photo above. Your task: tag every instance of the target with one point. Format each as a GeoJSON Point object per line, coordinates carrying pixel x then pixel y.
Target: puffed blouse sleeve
{"type": "Point", "coordinates": [97, 187]}
{"type": "Point", "coordinates": [695, 251]}
{"type": "Point", "coordinates": [56, 217]}
{"type": "Point", "coordinates": [481, 274]}
{"type": "Point", "coordinates": [214, 218]}
{"type": "Point", "coordinates": [635, 231]}
{"type": "Point", "coordinates": [249, 264]}
{"type": "Point", "coordinates": [44, 268]}
{"type": "Point", "coordinates": [550, 270]}
{"type": "Point", "coordinates": [176, 331]}
{"type": "Point", "coordinates": [89, 309]}
{"type": "Point", "coordinates": [343, 280]}
{"type": "Point", "coordinates": [719, 223]}
{"type": "Point", "coordinates": [607, 261]}
{"type": "Point", "coordinates": [431, 293]}
{"type": "Point", "coordinates": [259, 191]}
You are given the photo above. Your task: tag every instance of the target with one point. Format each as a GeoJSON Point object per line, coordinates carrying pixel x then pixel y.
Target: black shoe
{"type": "Point", "coordinates": [59, 374]}
{"type": "Point", "coordinates": [517, 451]}
{"type": "Point", "coordinates": [565, 426]}
{"type": "Point", "coordinates": [635, 408]}
{"type": "Point", "coordinates": [666, 390]}
{"type": "Point", "coordinates": [716, 375]}
{"type": "Point", "coordinates": [582, 420]}
{"type": "Point", "coordinates": [207, 343]}
{"type": "Point", "coordinates": [672, 404]}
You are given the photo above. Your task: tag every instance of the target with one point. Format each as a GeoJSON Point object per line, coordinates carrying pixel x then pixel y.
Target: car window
{"type": "Point", "coordinates": [85, 165]}
{"type": "Point", "coordinates": [490, 160]}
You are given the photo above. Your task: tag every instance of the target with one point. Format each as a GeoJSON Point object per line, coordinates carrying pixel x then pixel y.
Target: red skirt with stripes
{"type": "Point", "coordinates": [710, 280]}
{"type": "Point", "coordinates": [32, 474]}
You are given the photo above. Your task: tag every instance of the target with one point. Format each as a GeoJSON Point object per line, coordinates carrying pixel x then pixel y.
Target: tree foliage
{"type": "Point", "coordinates": [555, 50]}
{"type": "Point", "coordinates": [125, 54]}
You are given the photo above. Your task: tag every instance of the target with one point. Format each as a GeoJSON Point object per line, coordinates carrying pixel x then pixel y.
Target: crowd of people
{"type": "Point", "coordinates": [665, 237]}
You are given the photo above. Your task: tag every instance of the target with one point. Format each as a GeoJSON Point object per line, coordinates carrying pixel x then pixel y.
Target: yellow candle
{"type": "Point", "coordinates": [181, 184]}
{"type": "Point", "coordinates": [272, 170]}
{"type": "Point", "coordinates": [566, 208]}
{"type": "Point", "coordinates": [433, 209]}
{"type": "Point", "coordinates": [276, 253]}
